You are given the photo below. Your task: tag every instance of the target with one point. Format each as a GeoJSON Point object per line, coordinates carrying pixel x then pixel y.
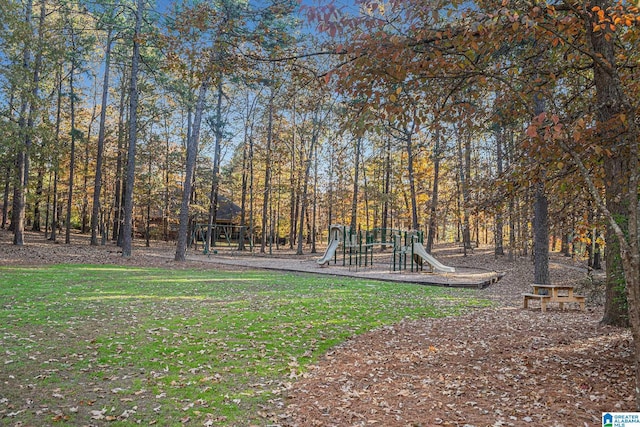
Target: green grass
{"type": "Point", "coordinates": [85, 344]}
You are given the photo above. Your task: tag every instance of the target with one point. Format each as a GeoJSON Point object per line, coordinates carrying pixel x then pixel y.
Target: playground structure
{"type": "Point", "coordinates": [358, 249]}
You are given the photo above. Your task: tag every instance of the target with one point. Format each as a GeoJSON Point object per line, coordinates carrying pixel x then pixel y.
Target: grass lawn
{"type": "Point", "coordinates": [85, 344]}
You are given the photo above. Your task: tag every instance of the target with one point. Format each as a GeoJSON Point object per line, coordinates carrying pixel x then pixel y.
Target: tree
{"type": "Point", "coordinates": [127, 226]}
{"type": "Point", "coordinates": [97, 186]}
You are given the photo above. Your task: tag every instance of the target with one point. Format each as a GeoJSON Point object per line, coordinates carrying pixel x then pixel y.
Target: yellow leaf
{"type": "Point", "coordinates": [393, 97]}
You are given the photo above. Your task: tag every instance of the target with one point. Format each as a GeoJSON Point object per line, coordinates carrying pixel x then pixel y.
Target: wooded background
{"type": "Point", "coordinates": [513, 124]}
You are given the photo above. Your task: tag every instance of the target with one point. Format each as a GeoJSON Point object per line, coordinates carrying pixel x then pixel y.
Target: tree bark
{"type": "Point", "coordinates": [243, 189]}
{"type": "Point", "coordinates": [540, 217]}
{"type": "Point", "coordinates": [356, 178]}
{"type": "Point", "coordinates": [305, 183]}
{"type": "Point", "coordinates": [387, 190]}
{"type": "Point", "coordinates": [21, 178]}
{"type": "Point", "coordinates": [127, 226]}
{"type": "Point", "coordinates": [616, 123]}
{"type": "Point", "coordinates": [464, 159]}
{"type": "Point", "coordinates": [314, 227]}
{"type": "Point", "coordinates": [192, 152]}
{"type": "Point", "coordinates": [267, 175]}
{"type": "Point", "coordinates": [72, 154]}
{"type": "Point", "coordinates": [5, 196]}
{"type": "Point", "coordinates": [292, 184]}
{"type": "Point", "coordinates": [247, 149]}
{"type": "Point", "coordinates": [97, 184]}
{"type": "Point", "coordinates": [541, 236]}
{"type": "Point", "coordinates": [56, 160]}
{"type": "Point", "coordinates": [412, 179]}
{"type": "Point", "coordinates": [38, 199]}
{"type": "Point", "coordinates": [499, 233]}
{"type": "Point", "coordinates": [120, 158]}
{"type": "Point", "coordinates": [215, 173]}
{"type": "Point", "coordinates": [433, 206]}
{"type": "Point", "coordinates": [85, 184]}
{"type": "Point", "coordinates": [610, 104]}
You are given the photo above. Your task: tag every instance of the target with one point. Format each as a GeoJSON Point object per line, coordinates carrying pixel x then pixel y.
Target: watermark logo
{"type": "Point", "coordinates": [621, 419]}
{"type": "Point", "coordinates": [607, 420]}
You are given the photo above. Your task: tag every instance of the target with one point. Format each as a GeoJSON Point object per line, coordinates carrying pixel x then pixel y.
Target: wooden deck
{"type": "Point", "coordinates": [463, 277]}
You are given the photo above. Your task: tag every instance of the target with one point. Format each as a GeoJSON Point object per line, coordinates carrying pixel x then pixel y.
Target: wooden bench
{"type": "Point", "coordinates": [544, 299]}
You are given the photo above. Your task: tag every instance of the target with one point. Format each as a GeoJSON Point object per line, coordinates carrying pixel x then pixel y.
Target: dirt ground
{"type": "Point", "coordinates": [503, 366]}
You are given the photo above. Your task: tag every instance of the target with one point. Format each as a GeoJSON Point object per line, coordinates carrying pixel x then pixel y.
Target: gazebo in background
{"type": "Point", "coordinates": [225, 230]}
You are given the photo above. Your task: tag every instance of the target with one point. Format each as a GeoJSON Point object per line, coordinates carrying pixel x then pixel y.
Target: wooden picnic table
{"type": "Point", "coordinates": [554, 293]}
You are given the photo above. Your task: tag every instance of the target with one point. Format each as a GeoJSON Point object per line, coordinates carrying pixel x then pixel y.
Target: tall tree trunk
{"type": "Point", "coordinates": [243, 203]}
{"type": "Point", "coordinates": [267, 175]}
{"type": "Point", "coordinates": [314, 227]}
{"type": "Point", "coordinates": [412, 179]}
{"type": "Point", "coordinates": [541, 236]}
{"type": "Point", "coordinates": [72, 153]}
{"type": "Point", "coordinates": [356, 178]}
{"type": "Point", "coordinates": [387, 191]}
{"type": "Point", "coordinates": [21, 177]}
{"type": "Point", "coordinates": [433, 207]}
{"type": "Point", "coordinates": [7, 160]}
{"type": "Point", "coordinates": [33, 107]}
{"type": "Point", "coordinates": [292, 184]}
{"type": "Point", "coordinates": [610, 104]}
{"type": "Point", "coordinates": [246, 170]}
{"type": "Point", "coordinates": [616, 125]}
{"type": "Point", "coordinates": [165, 208]}
{"type": "Point", "coordinates": [85, 183]}
{"type": "Point", "coordinates": [330, 195]}
{"type": "Point", "coordinates": [192, 152]}
{"type": "Point", "coordinates": [499, 233]}
{"type": "Point", "coordinates": [305, 186]}
{"type": "Point", "coordinates": [215, 177]}
{"type": "Point", "coordinates": [38, 199]}
{"type": "Point", "coordinates": [120, 158]}
{"type": "Point", "coordinates": [56, 159]}
{"type": "Point", "coordinates": [127, 226]}
{"type": "Point", "coordinates": [48, 209]}
{"type": "Point", "coordinates": [540, 218]}
{"type": "Point", "coordinates": [251, 195]}
{"type": "Point", "coordinates": [466, 192]}
{"type": "Point", "coordinates": [147, 228]}
{"type": "Point", "coordinates": [365, 184]}
{"type": "Point", "coordinates": [5, 196]}
{"type": "Point", "coordinates": [464, 161]}
{"type": "Point", "coordinates": [97, 184]}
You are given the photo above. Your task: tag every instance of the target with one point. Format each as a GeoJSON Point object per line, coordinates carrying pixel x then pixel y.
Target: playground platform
{"type": "Point", "coordinates": [464, 277]}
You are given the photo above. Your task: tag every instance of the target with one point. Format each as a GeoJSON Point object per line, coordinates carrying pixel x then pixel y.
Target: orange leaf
{"type": "Point", "coordinates": [532, 131]}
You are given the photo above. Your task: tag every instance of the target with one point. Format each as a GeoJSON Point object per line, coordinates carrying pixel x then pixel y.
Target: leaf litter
{"type": "Point", "coordinates": [502, 366]}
